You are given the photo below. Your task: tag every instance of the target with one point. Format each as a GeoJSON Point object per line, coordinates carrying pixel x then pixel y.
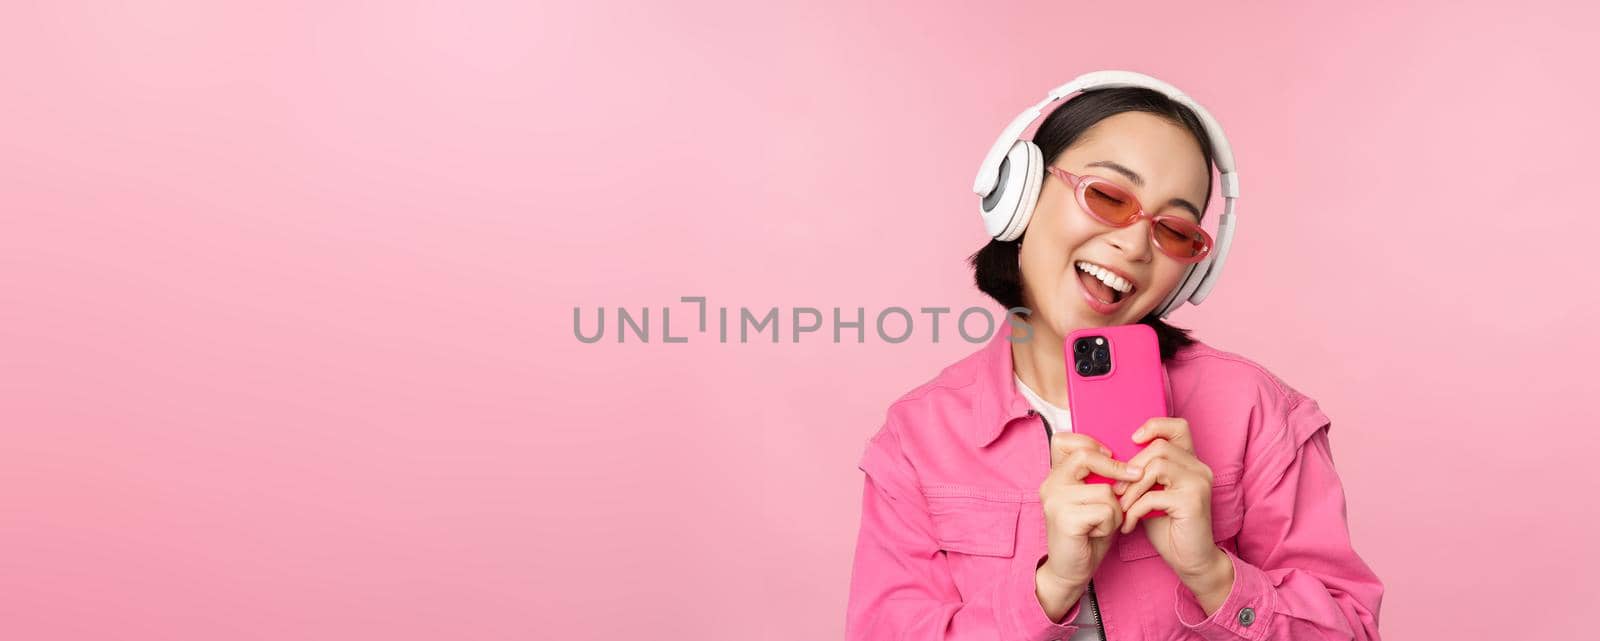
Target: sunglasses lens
{"type": "Point", "coordinates": [1180, 238]}
{"type": "Point", "coordinates": [1110, 203]}
{"type": "Point", "coordinates": [1175, 236]}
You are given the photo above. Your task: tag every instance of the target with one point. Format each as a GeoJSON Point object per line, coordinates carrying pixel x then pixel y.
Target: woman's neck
{"type": "Point", "coordinates": [1040, 363]}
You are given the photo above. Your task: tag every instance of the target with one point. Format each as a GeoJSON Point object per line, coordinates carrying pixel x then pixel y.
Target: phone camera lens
{"type": "Point", "coordinates": [1102, 356]}
{"type": "Point", "coordinates": [1085, 367]}
{"type": "Point", "coordinates": [1082, 346]}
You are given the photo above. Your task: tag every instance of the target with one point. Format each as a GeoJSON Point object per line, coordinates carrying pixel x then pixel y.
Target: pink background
{"type": "Point", "coordinates": [286, 298]}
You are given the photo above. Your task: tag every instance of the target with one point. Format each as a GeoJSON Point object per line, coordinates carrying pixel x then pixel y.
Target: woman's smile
{"type": "Point", "coordinates": [1109, 284]}
{"type": "Point", "coordinates": [1103, 298]}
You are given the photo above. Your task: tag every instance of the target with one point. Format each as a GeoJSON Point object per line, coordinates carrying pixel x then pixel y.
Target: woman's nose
{"type": "Point", "coordinates": [1134, 240]}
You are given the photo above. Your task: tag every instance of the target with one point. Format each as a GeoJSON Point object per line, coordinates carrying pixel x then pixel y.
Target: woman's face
{"type": "Point", "coordinates": [1157, 161]}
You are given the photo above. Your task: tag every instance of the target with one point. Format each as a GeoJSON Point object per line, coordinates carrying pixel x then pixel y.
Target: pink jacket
{"type": "Point", "coordinates": [952, 530]}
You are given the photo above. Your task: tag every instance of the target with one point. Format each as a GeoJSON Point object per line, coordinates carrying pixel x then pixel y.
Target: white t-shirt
{"type": "Point", "coordinates": [1061, 418]}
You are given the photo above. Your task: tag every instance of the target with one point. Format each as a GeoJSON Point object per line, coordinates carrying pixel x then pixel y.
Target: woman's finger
{"type": "Point", "coordinates": [1159, 499]}
{"type": "Point", "coordinates": [1063, 443]}
{"type": "Point", "coordinates": [1090, 510]}
{"type": "Point", "coordinates": [1172, 428]}
{"type": "Point", "coordinates": [1162, 448]}
{"type": "Point", "coordinates": [1110, 519]}
{"type": "Point", "coordinates": [1105, 520]}
{"type": "Point", "coordinates": [1159, 448]}
{"type": "Point", "coordinates": [1081, 462]}
{"type": "Point", "coordinates": [1167, 472]}
{"type": "Point", "coordinates": [1151, 453]}
{"type": "Point", "coordinates": [1161, 471]}
{"type": "Point", "coordinates": [1078, 463]}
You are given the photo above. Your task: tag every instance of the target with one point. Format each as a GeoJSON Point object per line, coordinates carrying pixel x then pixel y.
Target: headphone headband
{"type": "Point", "coordinates": [1009, 190]}
{"type": "Point", "coordinates": [1221, 151]}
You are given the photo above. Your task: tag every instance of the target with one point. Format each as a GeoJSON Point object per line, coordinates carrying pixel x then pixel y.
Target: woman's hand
{"type": "Point", "coordinates": [1079, 518]}
{"type": "Point", "coordinates": [1182, 537]}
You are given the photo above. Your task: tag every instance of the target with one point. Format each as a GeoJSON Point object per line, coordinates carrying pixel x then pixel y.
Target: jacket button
{"type": "Point", "coordinates": [1247, 616]}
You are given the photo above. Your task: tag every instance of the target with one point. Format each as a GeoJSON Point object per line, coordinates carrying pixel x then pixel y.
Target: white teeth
{"type": "Point", "coordinates": [1114, 281]}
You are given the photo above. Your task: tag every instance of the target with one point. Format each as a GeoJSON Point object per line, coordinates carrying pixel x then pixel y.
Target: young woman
{"type": "Point", "coordinates": [976, 522]}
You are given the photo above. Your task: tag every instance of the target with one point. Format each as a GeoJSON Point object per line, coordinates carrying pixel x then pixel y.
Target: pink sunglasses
{"type": "Point", "coordinates": [1108, 203]}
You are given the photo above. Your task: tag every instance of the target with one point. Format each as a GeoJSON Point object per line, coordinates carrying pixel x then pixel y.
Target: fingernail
{"type": "Point", "coordinates": [1135, 471]}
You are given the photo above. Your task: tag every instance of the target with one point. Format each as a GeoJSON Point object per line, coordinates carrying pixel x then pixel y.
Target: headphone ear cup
{"type": "Point", "coordinates": [1007, 209]}
{"type": "Point", "coordinates": [1217, 259]}
{"type": "Point", "coordinates": [1201, 271]}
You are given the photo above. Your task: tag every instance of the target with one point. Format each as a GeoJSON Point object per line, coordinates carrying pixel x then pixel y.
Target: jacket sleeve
{"type": "Point", "coordinates": [900, 583]}
{"type": "Point", "coordinates": [1296, 575]}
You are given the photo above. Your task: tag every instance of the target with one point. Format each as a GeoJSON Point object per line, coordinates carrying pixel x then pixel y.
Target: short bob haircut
{"type": "Point", "coordinates": [995, 265]}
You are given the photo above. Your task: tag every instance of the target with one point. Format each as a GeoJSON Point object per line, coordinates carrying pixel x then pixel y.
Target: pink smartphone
{"type": "Point", "coordinates": [1115, 382]}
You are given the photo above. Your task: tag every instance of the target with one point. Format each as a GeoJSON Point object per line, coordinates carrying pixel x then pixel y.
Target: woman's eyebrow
{"type": "Point", "coordinates": [1138, 181]}
{"type": "Point", "coordinates": [1132, 175]}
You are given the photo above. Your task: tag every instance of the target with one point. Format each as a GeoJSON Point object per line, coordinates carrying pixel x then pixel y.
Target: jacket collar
{"type": "Point", "coordinates": [999, 400]}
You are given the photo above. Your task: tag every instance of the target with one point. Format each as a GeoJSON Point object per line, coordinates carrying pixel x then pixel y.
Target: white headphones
{"type": "Point", "coordinates": [1009, 179]}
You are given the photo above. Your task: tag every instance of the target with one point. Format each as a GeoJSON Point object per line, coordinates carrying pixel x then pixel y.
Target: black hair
{"type": "Point", "coordinates": [994, 265]}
